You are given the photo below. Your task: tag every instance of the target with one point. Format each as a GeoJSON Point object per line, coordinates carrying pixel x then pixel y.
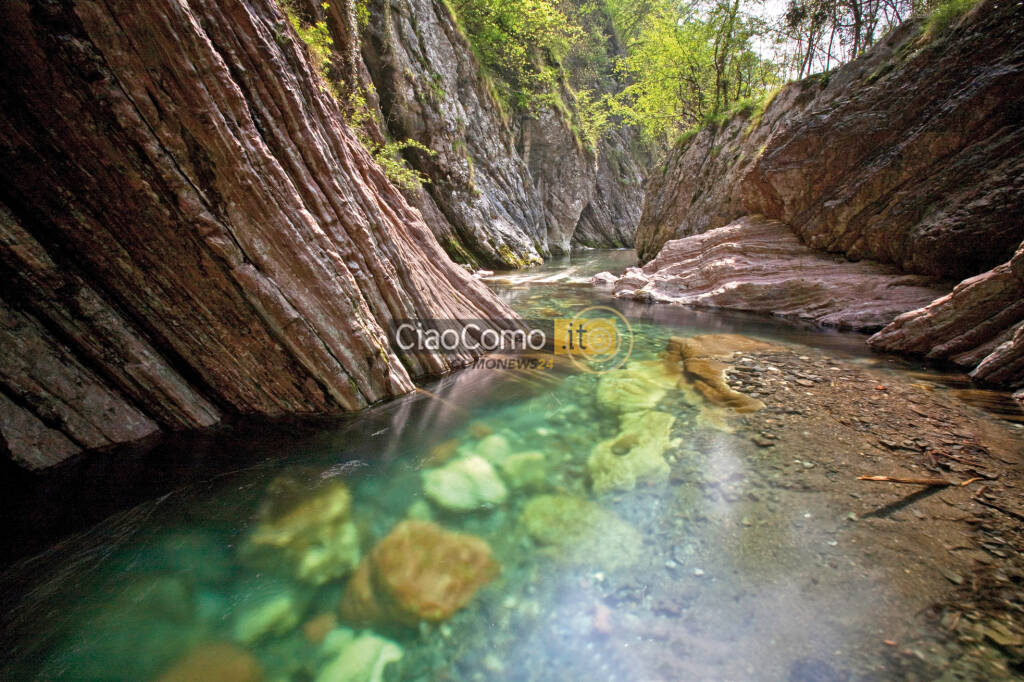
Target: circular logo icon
{"type": "Point", "coordinates": [599, 339]}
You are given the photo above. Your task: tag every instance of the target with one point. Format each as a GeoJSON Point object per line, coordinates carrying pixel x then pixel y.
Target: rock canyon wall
{"type": "Point", "coordinates": [910, 157]}
{"type": "Point", "coordinates": [506, 187]}
{"type": "Point", "coordinates": [188, 229]}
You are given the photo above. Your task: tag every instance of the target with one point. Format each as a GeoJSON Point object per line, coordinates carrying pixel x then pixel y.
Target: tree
{"type": "Point", "coordinates": [690, 61]}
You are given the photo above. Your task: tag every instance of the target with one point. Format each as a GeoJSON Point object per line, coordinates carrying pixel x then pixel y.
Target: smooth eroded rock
{"type": "Point", "coordinates": [419, 572]}
{"type": "Point", "coordinates": [758, 265]}
{"type": "Point", "coordinates": [636, 454]}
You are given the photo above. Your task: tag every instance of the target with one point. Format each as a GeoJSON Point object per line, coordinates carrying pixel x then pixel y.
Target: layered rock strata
{"type": "Point", "coordinates": [906, 160]}
{"type": "Point", "coordinates": [189, 229]}
{"type": "Point", "coordinates": [758, 265]}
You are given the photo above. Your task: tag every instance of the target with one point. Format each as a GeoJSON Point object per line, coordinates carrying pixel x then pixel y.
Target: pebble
{"type": "Point", "coordinates": [698, 572]}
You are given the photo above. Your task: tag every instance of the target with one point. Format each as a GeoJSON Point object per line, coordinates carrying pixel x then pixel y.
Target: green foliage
{"type": "Point", "coordinates": [595, 116]}
{"type": "Point", "coordinates": [690, 64]}
{"type": "Point", "coordinates": [945, 15]}
{"type": "Point", "coordinates": [520, 42]}
{"type": "Point", "coordinates": [362, 14]}
{"type": "Point", "coordinates": [320, 46]}
{"type": "Point", "coordinates": [398, 171]}
{"type": "Point", "coordinates": [388, 156]}
{"type": "Point", "coordinates": [687, 135]}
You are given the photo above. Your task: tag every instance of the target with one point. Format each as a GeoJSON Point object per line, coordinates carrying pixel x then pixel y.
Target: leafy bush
{"type": "Point", "coordinates": [320, 46]}
{"type": "Point", "coordinates": [945, 15]}
{"type": "Point", "coordinates": [520, 42]}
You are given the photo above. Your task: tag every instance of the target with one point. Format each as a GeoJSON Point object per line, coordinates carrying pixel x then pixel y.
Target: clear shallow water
{"type": "Point", "coordinates": [718, 575]}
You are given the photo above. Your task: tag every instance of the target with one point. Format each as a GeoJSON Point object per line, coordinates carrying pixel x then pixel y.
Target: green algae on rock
{"type": "Point", "coordinates": [267, 608]}
{"type": "Point", "coordinates": [524, 469]}
{"type": "Point", "coordinates": [638, 386]}
{"type": "Point", "coordinates": [465, 484]}
{"type": "Point", "coordinates": [634, 455]}
{"type": "Point", "coordinates": [356, 659]}
{"type": "Point", "coordinates": [307, 533]}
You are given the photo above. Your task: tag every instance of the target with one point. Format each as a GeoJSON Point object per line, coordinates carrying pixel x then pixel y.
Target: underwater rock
{"type": "Point", "coordinates": [582, 532]}
{"type": "Point", "coordinates": [420, 510]}
{"type": "Point", "coordinates": [480, 430]}
{"type": "Point", "coordinates": [492, 448]}
{"type": "Point", "coordinates": [466, 484]}
{"type": "Point", "coordinates": [359, 659]}
{"type": "Point", "coordinates": [164, 596]}
{"type": "Point", "coordinates": [441, 453]}
{"type": "Point", "coordinates": [701, 359]}
{"type": "Point", "coordinates": [147, 626]}
{"type": "Point", "coordinates": [316, 628]}
{"type": "Point", "coordinates": [418, 572]}
{"type": "Point", "coordinates": [634, 455]}
{"type": "Point", "coordinates": [638, 386]}
{"type": "Point", "coordinates": [215, 661]}
{"type": "Point", "coordinates": [266, 608]}
{"type": "Point", "coordinates": [524, 469]}
{"type": "Point", "coordinates": [305, 530]}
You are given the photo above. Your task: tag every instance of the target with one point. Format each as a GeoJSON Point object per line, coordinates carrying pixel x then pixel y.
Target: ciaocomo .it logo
{"type": "Point", "coordinates": [596, 339]}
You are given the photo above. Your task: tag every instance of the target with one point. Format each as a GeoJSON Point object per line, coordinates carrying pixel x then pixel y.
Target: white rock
{"type": "Point", "coordinates": [464, 484]}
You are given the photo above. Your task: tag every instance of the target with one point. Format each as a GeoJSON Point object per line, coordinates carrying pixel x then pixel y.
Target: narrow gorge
{"type": "Point", "coordinates": [377, 340]}
{"type": "Point", "coordinates": [907, 161]}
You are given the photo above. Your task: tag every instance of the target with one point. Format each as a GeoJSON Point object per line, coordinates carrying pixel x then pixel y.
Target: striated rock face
{"type": "Point", "coordinates": [909, 155]}
{"type": "Point", "coordinates": [563, 171]}
{"type": "Point", "coordinates": [189, 229]}
{"type": "Point", "coordinates": [611, 217]}
{"type": "Point", "coordinates": [979, 325]}
{"type": "Point", "coordinates": [697, 188]}
{"type": "Point", "coordinates": [431, 90]}
{"type": "Point", "coordinates": [506, 188]}
{"type": "Point", "coordinates": [759, 265]}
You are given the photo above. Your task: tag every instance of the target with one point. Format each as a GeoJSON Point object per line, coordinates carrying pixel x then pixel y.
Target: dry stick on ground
{"type": "Point", "coordinates": [911, 481]}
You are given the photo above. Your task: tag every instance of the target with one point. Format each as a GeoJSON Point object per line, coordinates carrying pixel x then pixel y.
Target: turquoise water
{"type": "Point", "coordinates": [700, 571]}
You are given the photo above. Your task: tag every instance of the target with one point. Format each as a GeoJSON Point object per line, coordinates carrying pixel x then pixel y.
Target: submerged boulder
{"type": "Point", "coordinates": [419, 572]}
{"type": "Point", "coordinates": [638, 386]}
{"type": "Point", "coordinates": [305, 529]}
{"type": "Point", "coordinates": [466, 484]}
{"type": "Point", "coordinates": [525, 469]}
{"type": "Point", "coordinates": [356, 658]}
{"type": "Point", "coordinates": [264, 608]}
{"type": "Point", "coordinates": [634, 455]}
{"type": "Point", "coordinates": [581, 532]}
{"type": "Point", "coordinates": [215, 661]}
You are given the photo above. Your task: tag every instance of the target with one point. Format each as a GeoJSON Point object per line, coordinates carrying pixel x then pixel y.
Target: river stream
{"type": "Point", "coordinates": [718, 567]}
